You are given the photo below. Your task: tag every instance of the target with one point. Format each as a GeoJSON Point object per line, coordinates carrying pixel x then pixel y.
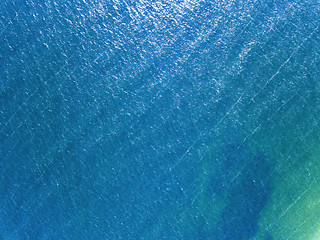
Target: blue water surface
{"type": "Point", "coordinates": [127, 119]}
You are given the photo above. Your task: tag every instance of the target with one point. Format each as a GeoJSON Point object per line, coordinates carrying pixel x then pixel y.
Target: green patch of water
{"type": "Point", "coordinates": [291, 143]}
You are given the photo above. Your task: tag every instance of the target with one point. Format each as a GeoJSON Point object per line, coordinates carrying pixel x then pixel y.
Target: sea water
{"type": "Point", "coordinates": [159, 119]}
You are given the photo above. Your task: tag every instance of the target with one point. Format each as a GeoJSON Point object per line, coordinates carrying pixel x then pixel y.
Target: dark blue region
{"type": "Point", "coordinates": [268, 237]}
{"type": "Point", "coordinates": [240, 218]}
{"type": "Point", "coordinates": [106, 107]}
{"type": "Point", "coordinates": [247, 194]}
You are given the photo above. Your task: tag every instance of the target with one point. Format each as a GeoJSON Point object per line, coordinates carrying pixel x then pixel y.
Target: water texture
{"type": "Point", "coordinates": [159, 119]}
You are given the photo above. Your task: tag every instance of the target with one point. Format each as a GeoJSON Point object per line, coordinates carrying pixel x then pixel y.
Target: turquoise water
{"type": "Point", "coordinates": [159, 120]}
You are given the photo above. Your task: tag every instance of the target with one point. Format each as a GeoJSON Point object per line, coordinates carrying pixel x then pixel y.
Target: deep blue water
{"type": "Point", "coordinates": [127, 119]}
